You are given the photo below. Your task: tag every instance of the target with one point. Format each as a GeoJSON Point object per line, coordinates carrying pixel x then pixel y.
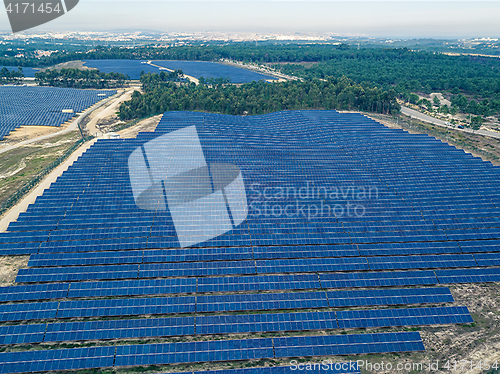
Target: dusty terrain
{"type": "Point", "coordinates": [106, 118]}
{"type": "Point", "coordinates": [9, 266]}
{"type": "Point", "coordinates": [77, 64]}
{"type": "Point", "coordinates": [20, 165]}
{"type": "Point", "coordinates": [31, 132]}
{"type": "Point", "coordinates": [146, 125]}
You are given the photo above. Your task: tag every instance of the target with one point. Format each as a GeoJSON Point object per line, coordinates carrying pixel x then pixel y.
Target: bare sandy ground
{"type": "Point", "coordinates": [9, 266]}
{"type": "Point", "coordinates": [77, 64]}
{"type": "Point", "coordinates": [31, 132]}
{"type": "Point", "coordinates": [13, 213]}
{"type": "Point", "coordinates": [108, 112]}
{"type": "Point", "coordinates": [146, 125]}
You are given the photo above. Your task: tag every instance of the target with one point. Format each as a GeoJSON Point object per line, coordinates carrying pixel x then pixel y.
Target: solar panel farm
{"type": "Point", "coordinates": [99, 264]}
{"type": "Point", "coordinates": [48, 106]}
{"type": "Point", "coordinates": [196, 69]}
{"type": "Point", "coordinates": [316, 240]}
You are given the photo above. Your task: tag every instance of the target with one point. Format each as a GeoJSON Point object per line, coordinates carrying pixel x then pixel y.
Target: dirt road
{"type": "Point", "coordinates": [109, 110]}
{"type": "Point", "coordinates": [424, 117]}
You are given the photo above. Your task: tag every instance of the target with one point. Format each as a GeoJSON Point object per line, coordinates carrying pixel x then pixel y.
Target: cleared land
{"type": "Point", "coordinates": [20, 165]}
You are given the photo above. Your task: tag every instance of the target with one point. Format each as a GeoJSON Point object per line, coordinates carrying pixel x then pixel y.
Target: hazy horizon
{"type": "Point", "coordinates": [397, 19]}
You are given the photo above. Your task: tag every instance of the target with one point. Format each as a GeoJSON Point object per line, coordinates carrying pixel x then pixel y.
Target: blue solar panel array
{"type": "Point", "coordinates": [43, 106]}
{"type": "Point", "coordinates": [197, 69]}
{"type": "Point", "coordinates": [433, 218]}
{"type": "Point", "coordinates": [402, 317]}
{"type": "Point", "coordinates": [207, 69]}
{"type": "Point", "coordinates": [230, 324]}
{"type": "Point", "coordinates": [132, 68]}
{"type": "Point", "coordinates": [389, 297]}
{"type": "Point", "coordinates": [347, 344]}
{"type": "Point", "coordinates": [56, 359]}
{"type": "Point", "coordinates": [221, 303]}
{"type": "Point", "coordinates": [28, 72]}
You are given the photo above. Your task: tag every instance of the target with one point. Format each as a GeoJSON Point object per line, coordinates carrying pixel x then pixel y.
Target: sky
{"type": "Point", "coordinates": [395, 19]}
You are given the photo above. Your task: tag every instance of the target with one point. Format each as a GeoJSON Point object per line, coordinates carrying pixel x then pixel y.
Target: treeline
{"type": "Point", "coordinates": [476, 78]}
{"type": "Point", "coordinates": [11, 76]}
{"type": "Point", "coordinates": [75, 78]}
{"type": "Point", "coordinates": [256, 97]}
{"type": "Point", "coordinates": [485, 107]}
{"type": "Point", "coordinates": [237, 51]}
{"type": "Point", "coordinates": [474, 81]}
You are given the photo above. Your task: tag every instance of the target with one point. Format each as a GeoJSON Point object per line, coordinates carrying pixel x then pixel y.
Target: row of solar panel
{"type": "Point", "coordinates": [230, 324]}
{"type": "Point", "coordinates": [207, 351]}
{"type": "Point", "coordinates": [41, 247]}
{"type": "Point", "coordinates": [245, 284]}
{"type": "Point", "coordinates": [250, 253]}
{"type": "Point", "coordinates": [23, 106]}
{"type": "Point", "coordinates": [371, 213]}
{"type": "Point", "coordinates": [196, 269]}
{"type": "Point", "coordinates": [222, 303]}
{"type": "Point", "coordinates": [406, 220]}
{"type": "Point", "coordinates": [60, 230]}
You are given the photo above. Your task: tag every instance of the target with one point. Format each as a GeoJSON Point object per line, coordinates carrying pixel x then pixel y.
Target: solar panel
{"type": "Point", "coordinates": [225, 303]}
{"type": "Point", "coordinates": [34, 292]}
{"type": "Point", "coordinates": [312, 265]}
{"type": "Point", "coordinates": [63, 274]}
{"type": "Point", "coordinates": [22, 334]}
{"type": "Point", "coordinates": [119, 329]}
{"type": "Point", "coordinates": [251, 323]}
{"type": "Point", "coordinates": [276, 252]}
{"type": "Point", "coordinates": [198, 254]}
{"type": "Point", "coordinates": [207, 69]}
{"type": "Point", "coordinates": [480, 246]}
{"type": "Point", "coordinates": [43, 106]}
{"type": "Point", "coordinates": [389, 296]}
{"type": "Point", "coordinates": [378, 279]}
{"type": "Point", "coordinates": [27, 311]}
{"type": "Point", "coordinates": [56, 359]}
{"type": "Point", "coordinates": [125, 307]}
{"type": "Point", "coordinates": [258, 283]}
{"type": "Point", "coordinates": [87, 258]}
{"type": "Point", "coordinates": [347, 344]}
{"type": "Point", "coordinates": [403, 317]}
{"type": "Point", "coordinates": [132, 287]}
{"type": "Point", "coordinates": [184, 269]}
{"type": "Point", "coordinates": [421, 262]}
{"type": "Point", "coordinates": [487, 259]}
{"type": "Point", "coordinates": [468, 275]}
{"type": "Point", "coordinates": [423, 215]}
{"type": "Point", "coordinates": [185, 352]}
{"type": "Point", "coordinates": [419, 248]}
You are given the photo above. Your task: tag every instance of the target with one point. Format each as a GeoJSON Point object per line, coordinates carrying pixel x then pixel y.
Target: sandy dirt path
{"type": "Point", "coordinates": [110, 110]}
